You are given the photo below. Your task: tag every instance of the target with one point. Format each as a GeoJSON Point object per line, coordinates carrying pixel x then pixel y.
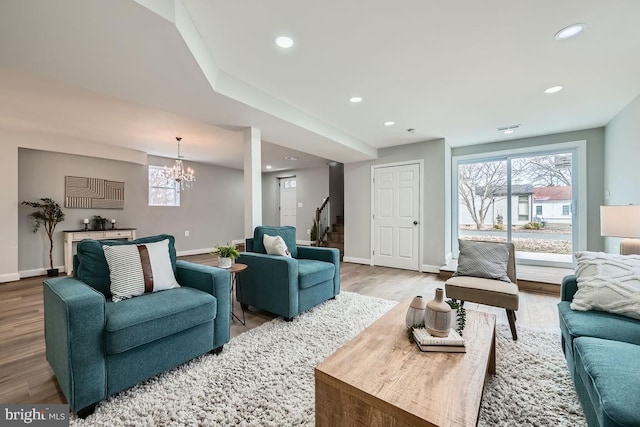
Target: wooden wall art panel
{"type": "Point", "coordinates": [93, 193]}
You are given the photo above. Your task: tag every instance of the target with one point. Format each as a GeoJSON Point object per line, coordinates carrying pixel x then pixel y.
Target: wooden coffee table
{"type": "Point", "coordinates": [380, 378]}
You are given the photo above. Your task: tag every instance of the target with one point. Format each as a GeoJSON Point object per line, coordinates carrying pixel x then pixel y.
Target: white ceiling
{"type": "Point", "coordinates": [120, 73]}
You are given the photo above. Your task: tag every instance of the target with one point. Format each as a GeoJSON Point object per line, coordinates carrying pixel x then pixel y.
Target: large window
{"type": "Point", "coordinates": [503, 196]}
{"type": "Point", "coordinates": [163, 191]}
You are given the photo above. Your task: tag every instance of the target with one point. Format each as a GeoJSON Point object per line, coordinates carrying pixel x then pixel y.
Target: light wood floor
{"type": "Point", "coordinates": [25, 375]}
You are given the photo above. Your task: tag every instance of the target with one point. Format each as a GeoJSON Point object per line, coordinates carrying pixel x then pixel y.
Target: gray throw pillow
{"type": "Point", "coordinates": [488, 260]}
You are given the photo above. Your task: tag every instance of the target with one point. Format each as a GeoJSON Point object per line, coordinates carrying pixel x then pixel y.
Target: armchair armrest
{"type": "Point", "coordinates": [568, 288]}
{"type": "Point", "coordinates": [331, 255]}
{"type": "Point", "coordinates": [74, 323]}
{"type": "Point", "coordinates": [214, 281]}
{"type": "Point", "coordinates": [278, 274]}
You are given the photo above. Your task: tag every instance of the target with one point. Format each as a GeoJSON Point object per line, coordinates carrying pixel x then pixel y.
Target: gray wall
{"type": "Point", "coordinates": [312, 186]}
{"type": "Point", "coordinates": [595, 169]}
{"type": "Point", "coordinates": [211, 211]}
{"type": "Point", "coordinates": [436, 205]}
{"type": "Point", "coordinates": [622, 151]}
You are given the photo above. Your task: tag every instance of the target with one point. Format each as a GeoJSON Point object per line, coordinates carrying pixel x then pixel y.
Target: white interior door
{"type": "Point", "coordinates": [288, 201]}
{"type": "Point", "coordinates": [396, 216]}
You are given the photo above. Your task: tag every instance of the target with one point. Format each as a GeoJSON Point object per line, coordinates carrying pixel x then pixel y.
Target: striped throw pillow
{"type": "Point", "coordinates": [138, 269]}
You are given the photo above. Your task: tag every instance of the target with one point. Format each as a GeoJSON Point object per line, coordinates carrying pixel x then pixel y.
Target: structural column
{"type": "Point", "coordinates": [252, 180]}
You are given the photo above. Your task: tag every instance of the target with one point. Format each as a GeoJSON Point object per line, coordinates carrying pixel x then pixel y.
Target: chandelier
{"type": "Point", "coordinates": [178, 173]}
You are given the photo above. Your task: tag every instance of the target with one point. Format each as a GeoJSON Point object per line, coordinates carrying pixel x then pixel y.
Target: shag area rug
{"type": "Point", "coordinates": [264, 377]}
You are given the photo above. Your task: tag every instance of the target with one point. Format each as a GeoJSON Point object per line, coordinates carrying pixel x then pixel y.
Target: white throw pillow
{"type": "Point", "coordinates": [608, 282]}
{"type": "Point", "coordinates": [137, 269]}
{"type": "Point", "coordinates": [275, 245]}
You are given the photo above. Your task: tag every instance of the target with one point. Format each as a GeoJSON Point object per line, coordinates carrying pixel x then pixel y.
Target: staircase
{"type": "Point", "coordinates": [335, 237]}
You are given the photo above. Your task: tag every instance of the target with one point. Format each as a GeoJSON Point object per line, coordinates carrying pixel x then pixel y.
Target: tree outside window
{"type": "Point", "coordinates": [163, 191]}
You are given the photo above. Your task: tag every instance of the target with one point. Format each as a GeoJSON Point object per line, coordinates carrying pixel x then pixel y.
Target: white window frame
{"type": "Point", "coordinates": [175, 187]}
{"type": "Point", "coordinates": [579, 188]}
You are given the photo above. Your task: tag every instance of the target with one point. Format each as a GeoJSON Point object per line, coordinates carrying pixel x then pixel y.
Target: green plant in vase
{"type": "Point", "coordinates": [48, 213]}
{"type": "Point", "coordinates": [99, 222]}
{"type": "Point", "coordinates": [226, 254]}
{"type": "Point", "coordinates": [313, 235]}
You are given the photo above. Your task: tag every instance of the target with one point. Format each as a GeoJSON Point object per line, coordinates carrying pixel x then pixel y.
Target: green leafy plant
{"type": "Point", "coordinates": [226, 251]}
{"type": "Point", "coordinates": [532, 226]}
{"type": "Point", "coordinates": [314, 231]}
{"type": "Point", "coordinates": [99, 221]}
{"type": "Point", "coordinates": [461, 312]}
{"type": "Point", "coordinates": [410, 332]}
{"type": "Point", "coordinates": [48, 213]}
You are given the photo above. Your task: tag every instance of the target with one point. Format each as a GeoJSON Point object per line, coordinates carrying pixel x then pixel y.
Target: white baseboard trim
{"type": "Point", "coordinates": [194, 252]}
{"type": "Point", "coordinates": [303, 242]}
{"type": "Point", "coordinates": [9, 277]}
{"type": "Point", "coordinates": [238, 241]}
{"type": "Point", "coordinates": [430, 268]}
{"type": "Point", "coordinates": [357, 260]}
{"type": "Point", "coordinates": [38, 272]}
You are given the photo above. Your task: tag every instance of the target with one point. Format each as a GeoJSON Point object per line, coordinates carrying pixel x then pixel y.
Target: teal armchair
{"type": "Point", "coordinates": [282, 285]}
{"type": "Point", "coordinates": [98, 347]}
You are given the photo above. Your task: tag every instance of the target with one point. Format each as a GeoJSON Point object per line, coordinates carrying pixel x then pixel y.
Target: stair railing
{"type": "Point", "coordinates": [322, 221]}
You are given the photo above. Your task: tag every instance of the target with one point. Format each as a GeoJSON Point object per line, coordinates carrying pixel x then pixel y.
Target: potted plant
{"type": "Point", "coordinates": [99, 222]}
{"type": "Point", "coordinates": [313, 235]}
{"type": "Point", "coordinates": [49, 213]}
{"type": "Point", "coordinates": [226, 255]}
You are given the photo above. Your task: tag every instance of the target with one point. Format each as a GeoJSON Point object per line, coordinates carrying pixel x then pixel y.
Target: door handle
{"type": "Point", "coordinates": [415, 222]}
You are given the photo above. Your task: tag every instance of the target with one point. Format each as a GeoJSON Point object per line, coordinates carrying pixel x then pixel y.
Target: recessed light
{"type": "Point", "coordinates": [389, 123]}
{"type": "Point", "coordinates": [291, 158]}
{"type": "Point", "coordinates": [284, 42]}
{"type": "Point", "coordinates": [268, 167]}
{"type": "Point", "coordinates": [355, 99]}
{"type": "Point", "coordinates": [508, 131]}
{"type": "Point", "coordinates": [570, 31]}
{"type": "Point", "coordinates": [554, 89]}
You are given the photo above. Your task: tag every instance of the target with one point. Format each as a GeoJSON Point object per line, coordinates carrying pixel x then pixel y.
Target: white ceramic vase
{"type": "Point", "coordinates": [224, 262]}
{"type": "Point", "coordinates": [415, 313]}
{"type": "Point", "coordinates": [438, 315]}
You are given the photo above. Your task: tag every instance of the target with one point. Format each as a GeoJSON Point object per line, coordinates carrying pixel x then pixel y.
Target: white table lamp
{"type": "Point", "coordinates": [622, 221]}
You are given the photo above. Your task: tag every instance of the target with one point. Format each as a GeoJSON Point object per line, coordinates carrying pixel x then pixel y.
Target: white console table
{"type": "Point", "coordinates": [71, 236]}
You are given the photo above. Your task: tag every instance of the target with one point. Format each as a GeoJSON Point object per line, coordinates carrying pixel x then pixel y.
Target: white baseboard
{"type": "Point", "coordinates": [9, 277]}
{"type": "Point", "coordinates": [38, 272]}
{"type": "Point", "coordinates": [194, 252]}
{"type": "Point", "coordinates": [426, 268]}
{"type": "Point", "coordinates": [357, 260]}
{"type": "Point", "coordinates": [238, 241]}
{"type": "Point", "coordinates": [303, 242]}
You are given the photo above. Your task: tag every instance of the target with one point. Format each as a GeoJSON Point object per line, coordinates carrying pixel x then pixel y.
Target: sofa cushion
{"type": "Point", "coordinates": [488, 260]}
{"type": "Point", "coordinates": [598, 324]}
{"type": "Point", "coordinates": [483, 291]}
{"type": "Point", "coordinates": [92, 265]}
{"type": "Point", "coordinates": [607, 369]}
{"type": "Point", "coordinates": [275, 245]}
{"type": "Point", "coordinates": [287, 233]}
{"type": "Point", "coordinates": [138, 269]}
{"type": "Point", "coordinates": [312, 272]}
{"type": "Point", "coordinates": [138, 321]}
{"type": "Point", "coordinates": [608, 282]}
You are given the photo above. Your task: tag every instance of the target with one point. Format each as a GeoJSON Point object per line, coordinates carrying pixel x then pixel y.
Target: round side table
{"type": "Point", "coordinates": [235, 269]}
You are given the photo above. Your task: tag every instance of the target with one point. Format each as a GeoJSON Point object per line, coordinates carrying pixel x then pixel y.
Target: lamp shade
{"type": "Point", "coordinates": [620, 221]}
